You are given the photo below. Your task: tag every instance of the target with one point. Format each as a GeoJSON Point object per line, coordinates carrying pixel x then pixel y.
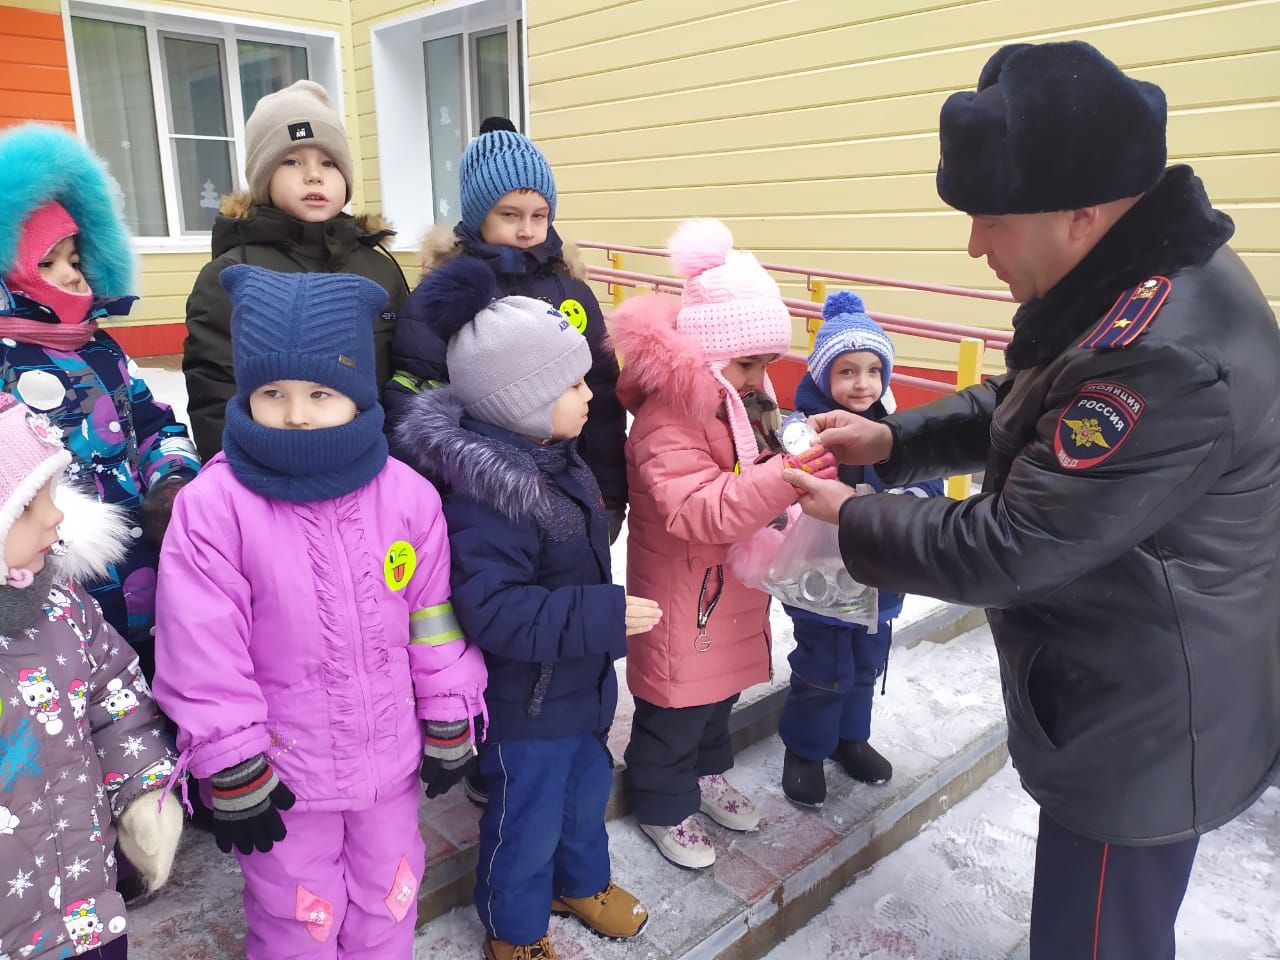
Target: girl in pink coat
{"type": "Point", "coordinates": [306, 646]}
{"type": "Point", "coordinates": [702, 477]}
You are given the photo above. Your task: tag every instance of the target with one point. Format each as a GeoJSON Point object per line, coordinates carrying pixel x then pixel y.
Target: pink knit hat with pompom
{"type": "Point", "coordinates": [732, 308]}
{"type": "Point", "coordinates": [33, 455]}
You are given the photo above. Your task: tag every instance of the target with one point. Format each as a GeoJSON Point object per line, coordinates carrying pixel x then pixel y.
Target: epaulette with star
{"type": "Point", "coordinates": [1131, 314]}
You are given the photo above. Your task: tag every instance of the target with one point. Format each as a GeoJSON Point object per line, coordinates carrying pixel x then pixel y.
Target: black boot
{"type": "Point", "coordinates": [476, 789]}
{"type": "Point", "coordinates": [803, 781]}
{"type": "Point", "coordinates": [863, 762]}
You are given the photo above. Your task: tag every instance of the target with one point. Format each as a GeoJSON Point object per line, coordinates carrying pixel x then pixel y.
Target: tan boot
{"type": "Point", "coordinates": [501, 950]}
{"type": "Point", "coordinates": [612, 913]}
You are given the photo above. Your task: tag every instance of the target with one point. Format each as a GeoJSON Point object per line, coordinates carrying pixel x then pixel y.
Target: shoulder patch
{"type": "Point", "coordinates": [1096, 424]}
{"type": "Point", "coordinates": [1129, 316]}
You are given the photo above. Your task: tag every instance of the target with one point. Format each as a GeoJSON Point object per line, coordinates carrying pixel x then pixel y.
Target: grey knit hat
{"type": "Point", "coordinates": [509, 359]}
{"type": "Point", "coordinates": [510, 365]}
{"type": "Point", "coordinates": [298, 115]}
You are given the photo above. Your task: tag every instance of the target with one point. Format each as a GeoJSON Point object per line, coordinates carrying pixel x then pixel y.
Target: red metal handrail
{"type": "Point", "coordinates": [1003, 297]}
{"type": "Point", "coordinates": [892, 322]}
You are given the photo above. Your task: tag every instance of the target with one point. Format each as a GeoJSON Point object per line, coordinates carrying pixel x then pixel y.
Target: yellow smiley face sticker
{"type": "Point", "coordinates": [576, 314]}
{"type": "Point", "coordinates": [401, 561]}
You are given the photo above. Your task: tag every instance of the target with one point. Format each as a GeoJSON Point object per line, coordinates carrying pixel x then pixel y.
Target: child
{"type": "Point", "coordinates": [298, 167]}
{"type": "Point", "coordinates": [835, 664]}
{"type": "Point", "coordinates": [66, 263]}
{"type": "Point", "coordinates": [83, 751]}
{"type": "Point", "coordinates": [508, 205]}
{"type": "Point", "coordinates": [699, 482]}
{"type": "Point", "coordinates": [312, 573]}
{"type": "Point", "coordinates": [532, 587]}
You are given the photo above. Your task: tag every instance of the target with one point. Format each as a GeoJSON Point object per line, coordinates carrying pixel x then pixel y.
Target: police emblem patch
{"type": "Point", "coordinates": [1095, 424]}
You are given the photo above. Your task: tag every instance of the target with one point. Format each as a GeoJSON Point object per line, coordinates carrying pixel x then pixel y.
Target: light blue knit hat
{"type": "Point", "coordinates": [846, 328]}
{"type": "Point", "coordinates": [495, 164]}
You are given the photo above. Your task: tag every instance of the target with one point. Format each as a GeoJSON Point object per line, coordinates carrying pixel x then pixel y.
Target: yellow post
{"type": "Point", "coordinates": [818, 294]}
{"type": "Point", "coordinates": [968, 373]}
{"type": "Point", "coordinates": [619, 291]}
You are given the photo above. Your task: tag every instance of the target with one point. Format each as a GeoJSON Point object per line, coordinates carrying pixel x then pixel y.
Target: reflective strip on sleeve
{"type": "Point", "coordinates": [434, 625]}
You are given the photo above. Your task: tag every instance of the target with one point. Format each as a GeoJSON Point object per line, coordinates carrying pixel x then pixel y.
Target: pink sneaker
{"type": "Point", "coordinates": [726, 805]}
{"type": "Point", "coordinates": [686, 844]}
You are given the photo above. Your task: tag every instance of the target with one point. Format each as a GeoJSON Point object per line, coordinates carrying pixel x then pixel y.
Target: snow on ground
{"type": "Point", "coordinates": [961, 890]}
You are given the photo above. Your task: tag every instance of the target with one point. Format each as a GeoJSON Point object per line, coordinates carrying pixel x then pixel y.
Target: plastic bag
{"type": "Point", "coordinates": [808, 572]}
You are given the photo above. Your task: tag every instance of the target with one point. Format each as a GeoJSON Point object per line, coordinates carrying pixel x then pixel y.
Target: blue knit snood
{"type": "Point", "coordinates": [303, 465]}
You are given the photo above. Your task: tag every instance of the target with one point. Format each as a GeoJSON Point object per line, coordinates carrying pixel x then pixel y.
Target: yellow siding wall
{"type": "Point", "coordinates": [810, 126]}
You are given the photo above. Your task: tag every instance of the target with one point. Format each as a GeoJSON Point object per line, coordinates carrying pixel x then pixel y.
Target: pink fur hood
{"type": "Point", "coordinates": [660, 362]}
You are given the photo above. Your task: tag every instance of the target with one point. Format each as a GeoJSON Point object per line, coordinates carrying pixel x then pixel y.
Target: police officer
{"type": "Point", "coordinates": [1126, 539]}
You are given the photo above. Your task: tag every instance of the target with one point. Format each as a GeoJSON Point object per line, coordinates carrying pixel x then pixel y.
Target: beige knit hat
{"type": "Point", "coordinates": [298, 115]}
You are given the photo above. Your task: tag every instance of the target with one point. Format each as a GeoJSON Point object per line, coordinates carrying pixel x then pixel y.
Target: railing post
{"type": "Point", "coordinates": [618, 290]}
{"type": "Point", "coordinates": [968, 373]}
{"type": "Point", "coordinates": [818, 294]}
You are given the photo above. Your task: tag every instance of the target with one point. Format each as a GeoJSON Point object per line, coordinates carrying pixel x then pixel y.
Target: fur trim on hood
{"type": "Point", "coordinates": [39, 163]}
{"type": "Point", "coordinates": [497, 474]}
{"type": "Point", "coordinates": [440, 244]}
{"type": "Point", "coordinates": [239, 205]}
{"type": "Point", "coordinates": [660, 362]}
{"type": "Point", "coordinates": [94, 535]}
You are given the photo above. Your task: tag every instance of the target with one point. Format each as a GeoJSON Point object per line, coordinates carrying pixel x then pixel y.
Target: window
{"type": "Point", "coordinates": [437, 76]}
{"type": "Point", "coordinates": [163, 99]}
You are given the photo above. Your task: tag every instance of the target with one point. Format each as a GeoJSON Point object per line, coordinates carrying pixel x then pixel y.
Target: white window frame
{"type": "Point", "coordinates": [324, 65]}
{"type": "Point", "coordinates": [400, 102]}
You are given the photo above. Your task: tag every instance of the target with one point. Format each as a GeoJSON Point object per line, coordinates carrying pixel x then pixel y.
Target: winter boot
{"type": "Point", "coordinates": [803, 781]}
{"type": "Point", "coordinates": [726, 805]}
{"type": "Point", "coordinates": [686, 844]}
{"type": "Point", "coordinates": [612, 913]}
{"type": "Point", "coordinates": [501, 950]}
{"type": "Point", "coordinates": [863, 762]}
{"type": "Point", "coordinates": [476, 789]}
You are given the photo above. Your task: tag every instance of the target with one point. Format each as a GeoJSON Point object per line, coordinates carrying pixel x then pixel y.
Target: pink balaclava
{"type": "Point", "coordinates": [49, 224]}
{"type": "Point", "coordinates": [732, 308]}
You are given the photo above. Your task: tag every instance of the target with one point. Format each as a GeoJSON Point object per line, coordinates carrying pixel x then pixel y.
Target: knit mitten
{"type": "Point", "coordinates": [247, 800]}
{"type": "Point", "coordinates": [448, 755]}
{"type": "Point", "coordinates": [148, 834]}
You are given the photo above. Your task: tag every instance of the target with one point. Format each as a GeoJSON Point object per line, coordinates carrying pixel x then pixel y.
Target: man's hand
{"type": "Point", "coordinates": [853, 439]}
{"type": "Point", "coordinates": [821, 499]}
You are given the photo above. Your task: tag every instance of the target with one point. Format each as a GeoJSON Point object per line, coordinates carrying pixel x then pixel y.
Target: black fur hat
{"type": "Point", "coordinates": [1052, 126]}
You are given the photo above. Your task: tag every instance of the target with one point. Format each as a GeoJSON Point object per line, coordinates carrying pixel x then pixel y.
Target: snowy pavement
{"type": "Point", "coordinates": [961, 890]}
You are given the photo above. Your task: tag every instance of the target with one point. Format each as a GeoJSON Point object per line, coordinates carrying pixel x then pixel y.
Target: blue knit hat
{"type": "Point", "coordinates": [496, 163]}
{"type": "Point", "coordinates": [846, 328]}
{"type": "Point", "coordinates": [304, 326]}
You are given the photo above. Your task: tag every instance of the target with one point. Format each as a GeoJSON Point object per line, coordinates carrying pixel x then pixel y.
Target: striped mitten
{"type": "Point", "coordinates": [448, 755]}
{"type": "Point", "coordinates": [247, 800]}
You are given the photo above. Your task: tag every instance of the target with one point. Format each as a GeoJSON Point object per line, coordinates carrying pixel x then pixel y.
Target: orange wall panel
{"type": "Point", "coordinates": [34, 81]}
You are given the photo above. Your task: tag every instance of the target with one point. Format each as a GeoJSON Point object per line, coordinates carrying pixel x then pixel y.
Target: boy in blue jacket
{"type": "Point", "coordinates": [508, 197]}
{"type": "Point", "coordinates": [532, 588]}
{"type": "Point", "coordinates": [835, 664]}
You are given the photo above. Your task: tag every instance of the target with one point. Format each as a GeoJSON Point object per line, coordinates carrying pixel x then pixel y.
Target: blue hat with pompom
{"type": "Point", "coordinates": [847, 328]}
{"type": "Point", "coordinates": [509, 358]}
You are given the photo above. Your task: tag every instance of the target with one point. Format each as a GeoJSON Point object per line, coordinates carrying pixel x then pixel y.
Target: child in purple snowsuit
{"type": "Point", "coordinates": [311, 573]}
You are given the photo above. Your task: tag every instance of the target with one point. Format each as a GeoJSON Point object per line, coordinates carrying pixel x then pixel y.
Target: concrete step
{"type": "Point", "coordinates": [207, 884]}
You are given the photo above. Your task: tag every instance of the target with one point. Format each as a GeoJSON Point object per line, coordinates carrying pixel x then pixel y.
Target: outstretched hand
{"type": "Point", "coordinates": [821, 499]}
{"type": "Point", "coordinates": [851, 438]}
